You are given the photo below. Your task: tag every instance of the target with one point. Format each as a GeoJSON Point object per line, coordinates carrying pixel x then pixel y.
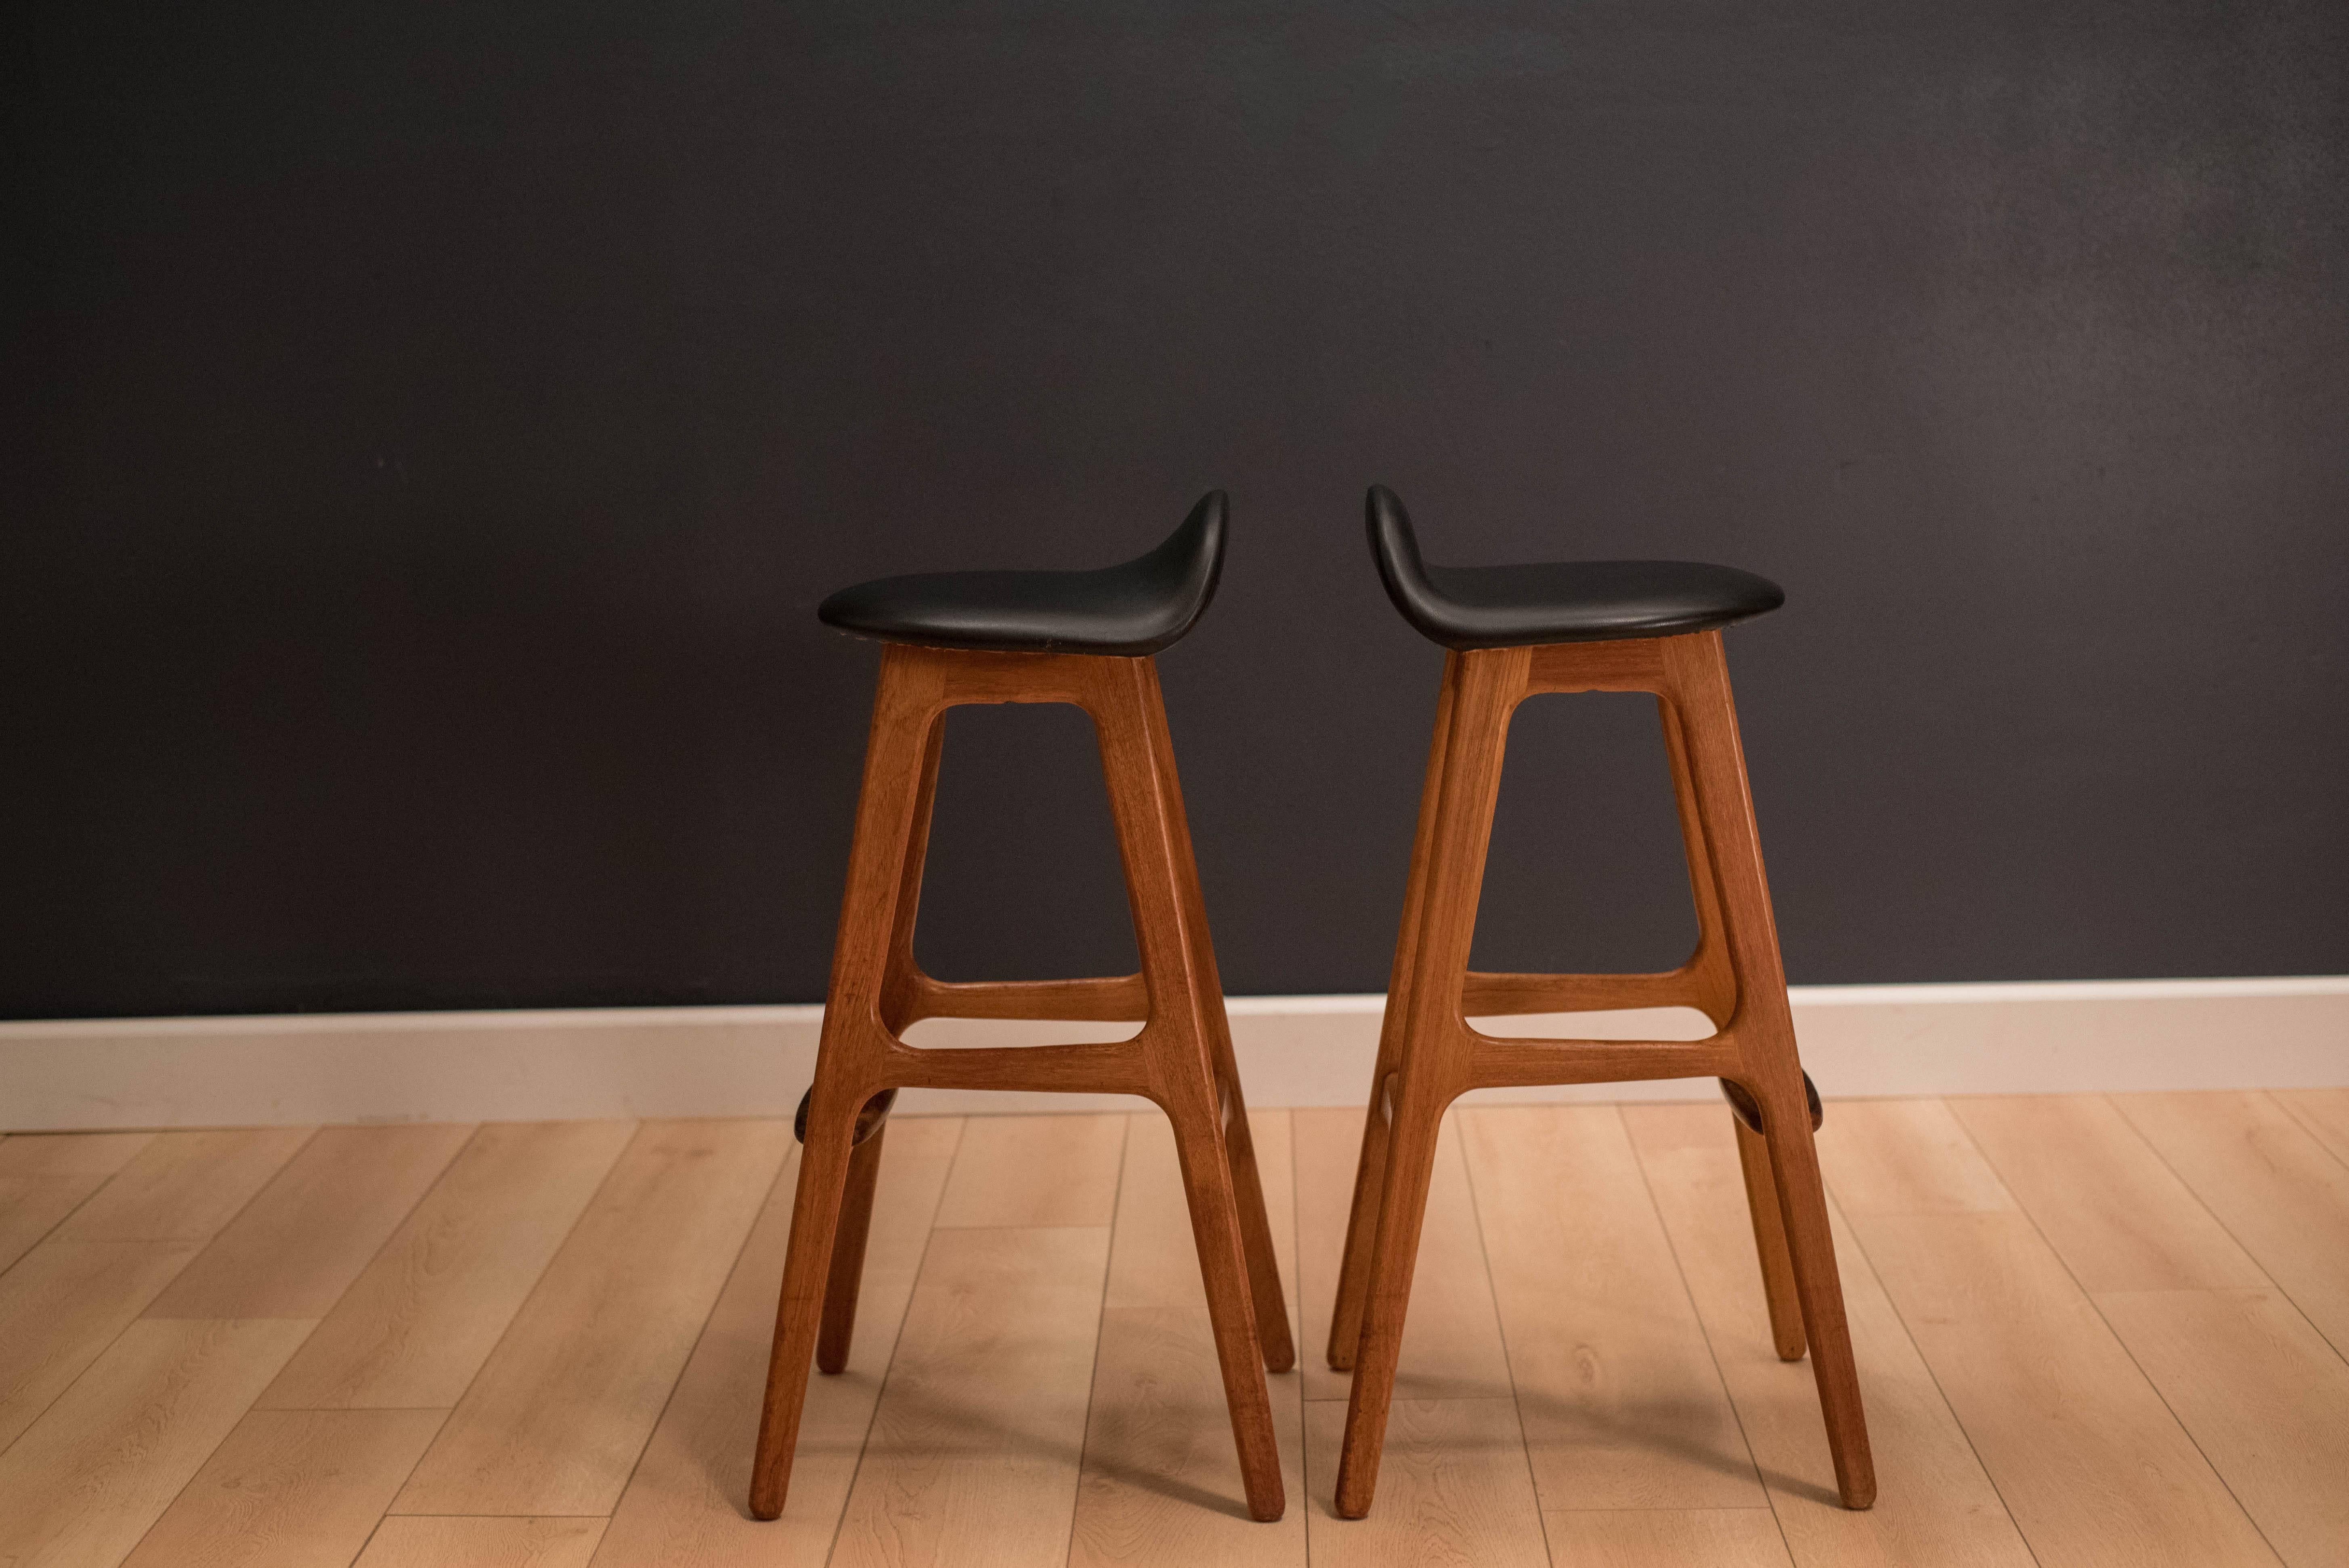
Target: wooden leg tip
{"type": "Point", "coordinates": [1273, 1339]}
{"type": "Point", "coordinates": [1859, 1499]}
{"type": "Point", "coordinates": [1269, 1509]}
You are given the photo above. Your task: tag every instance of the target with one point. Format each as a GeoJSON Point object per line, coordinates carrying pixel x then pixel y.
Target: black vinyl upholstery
{"type": "Point", "coordinates": [1130, 610]}
{"type": "Point", "coordinates": [1555, 601]}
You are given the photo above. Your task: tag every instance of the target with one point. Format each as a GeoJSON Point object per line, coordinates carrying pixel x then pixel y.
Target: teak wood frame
{"type": "Point", "coordinates": [1182, 1059]}
{"type": "Point", "coordinates": [1429, 1055]}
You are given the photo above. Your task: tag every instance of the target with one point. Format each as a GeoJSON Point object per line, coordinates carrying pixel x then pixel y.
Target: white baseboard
{"type": "Point", "coordinates": [1856, 1040]}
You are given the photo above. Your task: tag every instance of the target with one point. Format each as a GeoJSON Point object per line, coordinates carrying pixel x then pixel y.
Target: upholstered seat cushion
{"type": "Point", "coordinates": [1555, 601]}
{"type": "Point", "coordinates": [1137, 608]}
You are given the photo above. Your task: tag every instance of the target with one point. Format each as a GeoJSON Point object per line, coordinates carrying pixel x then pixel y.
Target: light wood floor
{"type": "Point", "coordinates": [2092, 1330]}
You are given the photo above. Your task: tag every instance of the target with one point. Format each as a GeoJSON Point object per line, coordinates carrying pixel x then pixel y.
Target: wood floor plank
{"type": "Point", "coordinates": [62, 1305]}
{"type": "Point", "coordinates": [1275, 1134]}
{"type": "Point", "coordinates": [2089, 1459]}
{"type": "Point", "coordinates": [1666, 1538]}
{"type": "Point", "coordinates": [1622, 1405]}
{"type": "Point", "coordinates": [1032, 1170]}
{"type": "Point", "coordinates": [1452, 1336]}
{"type": "Point", "coordinates": [88, 1477]}
{"type": "Point", "coordinates": [2323, 1111]}
{"type": "Point", "coordinates": [31, 1207]}
{"type": "Point", "coordinates": [482, 1543]}
{"type": "Point", "coordinates": [2258, 1389]}
{"type": "Point", "coordinates": [2112, 1212]}
{"type": "Point", "coordinates": [974, 1451]}
{"type": "Point", "coordinates": [419, 1322]}
{"type": "Point", "coordinates": [183, 1186]}
{"type": "Point", "coordinates": [2264, 1396]}
{"type": "Point", "coordinates": [1907, 1157]}
{"type": "Point", "coordinates": [1454, 1490]}
{"type": "Point", "coordinates": [561, 1410]}
{"type": "Point", "coordinates": [69, 1153]}
{"type": "Point", "coordinates": [1055, 1393]}
{"type": "Point", "coordinates": [43, 1177]}
{"type": "Point", "coordinates": [290, 1489]}
{"type": "Point", "coordinates": [685, 1505]}
{"type": "Point", "coordinates": [302, 1241]}
{"type": "Point", "coordinates": [2277, 1190]}
{"type": "Point", "coordinates": [1153, 1260]}
{"type": "Point", "coordinates": [1935, 1505]}
{"type": "Point", "coordinates": [1162, 1479]}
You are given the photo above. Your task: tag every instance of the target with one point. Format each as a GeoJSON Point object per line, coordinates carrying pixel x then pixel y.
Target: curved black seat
{"type": "Point", "coordinates": [1130, 610]}
{"type": "Point", "coordinates": [1555, 601]}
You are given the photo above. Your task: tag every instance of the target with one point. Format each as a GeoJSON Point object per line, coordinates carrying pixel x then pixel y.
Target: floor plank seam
{"type": "Point", "coordinates": [2220, 1220]}
{"type": "Point", "coordinates": [1704, 1330]}
{"type": "Point", "coordinates": [1101, 1319]}
{"type": "Point", "coordinates": [164, 1512]}
{"type": "Point", "coordinates": [2300, 1118]}
{"type": "Point", "coordinates": [1859, 1245]}
{"type": "Point", "coordinates": [510, 1515]}
{"type": "Point", "coordinates": [1501, 1329]}
{"type": "Point", "coordinates": [1982, 1153]}
{"type": "Point", "coordinates": [1297, 1286]}
{"type": "Point", "coordinates": [880, 1392]}
{"type": "Point", "coordinates": [373, 1530]}
{"type": "Point", "coordinates": [790, 1167]}
{"type": "Point", "coordinates": [61, 1220]}
{"type": "Point", "coordinates": [407, 1475]}
{"type": "Point", "coordinates": [392, 1234]}
{"type": "Point", "coordinates": [523, 1307]}
{"type": "Point", "coordinates": [1509, 1398]}
{"type": "Point", "coordinates": [195, 1253]}
{"type": "Point", "coordinates": [254, 1197]}
{"type": "Point", "coordinates": [979, 1229]}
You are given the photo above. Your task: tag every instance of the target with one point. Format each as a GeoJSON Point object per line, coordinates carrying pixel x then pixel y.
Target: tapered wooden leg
{"type": "Point", "coordinates": [1802, 1211]}
{"type": "Point", "coordinates": [847, 1271]}
{"type": "Point", "coordinates": [1362, 1224]}
{"type": "Point", "coordinates": [906, 700]}
{"type": "Point", "coordinates": [1371, 1165]}
{"type": "Point", "coordinates": [1432, 1044]}
{"type": "Point", "coordinates": [1403, 1209]}
{"type": "Point", "coordinates": [1223, 1270]}
{"type": "Point", "coordinates": [1270, 1305]}
{"type": "Point", "coordinates": [1180, 1044]}
{"type": "Point", "coordinates": [1239, 1141]}
{"type": "Point", "coordinates": [1770, 1244]}
{"type": "Point", "coordinates": [815, 1216]}
{"type": "Point", "coordinates": [1699, 677]}
{"type": "Point", "coordinates": [846, 1274]}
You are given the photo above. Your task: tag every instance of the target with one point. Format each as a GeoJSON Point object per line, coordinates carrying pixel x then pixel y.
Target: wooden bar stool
{"type": "Point", "coordinates": [1081, 638]}
{"type": "Point", "coordinates": [1604, 625]}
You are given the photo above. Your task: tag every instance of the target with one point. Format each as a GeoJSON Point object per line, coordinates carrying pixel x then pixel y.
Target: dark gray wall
{"type": "Point", "coordinates": [431, 427]}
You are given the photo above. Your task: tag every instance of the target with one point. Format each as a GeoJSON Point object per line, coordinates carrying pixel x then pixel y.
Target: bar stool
{"type": "Point", "coordinates": [1599, 625]}
{"type": "Point", "coordinates": [1081, 638]}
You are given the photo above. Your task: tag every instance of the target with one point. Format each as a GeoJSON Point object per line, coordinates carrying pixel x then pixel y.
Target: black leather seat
{"type": "Point", "coordinates": [1131, 610]}
{"type": "Point", "coordinates": [1557, 601]}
